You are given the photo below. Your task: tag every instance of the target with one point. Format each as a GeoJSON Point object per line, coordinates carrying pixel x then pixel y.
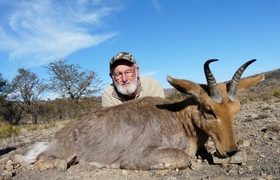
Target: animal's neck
{"type": "Point", "coordinates": [190, 118]}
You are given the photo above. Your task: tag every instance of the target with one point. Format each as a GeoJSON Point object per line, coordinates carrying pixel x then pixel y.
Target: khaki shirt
{"type": "Point", "coordinates": [147, 87]}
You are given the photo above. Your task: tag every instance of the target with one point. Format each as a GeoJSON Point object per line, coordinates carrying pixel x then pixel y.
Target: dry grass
{"type": "Point", "coordinates": [276, 93]}
{"type": "Point", "coordinates": [7, 130]}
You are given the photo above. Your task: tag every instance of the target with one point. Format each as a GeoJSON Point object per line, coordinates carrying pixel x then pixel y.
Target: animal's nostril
{"type": "Point", "coordinates": [232, 152]}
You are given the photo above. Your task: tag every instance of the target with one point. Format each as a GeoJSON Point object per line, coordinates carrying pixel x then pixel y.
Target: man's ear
{"type": "Point", "coordinates": [138, 71]}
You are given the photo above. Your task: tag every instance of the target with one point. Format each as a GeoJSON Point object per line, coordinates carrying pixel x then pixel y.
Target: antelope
{"type": "Point", "coordinates": [151, 132]}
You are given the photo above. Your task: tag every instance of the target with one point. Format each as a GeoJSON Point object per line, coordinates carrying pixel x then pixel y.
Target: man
{"type": "Point", "coordinates": [127, 84]}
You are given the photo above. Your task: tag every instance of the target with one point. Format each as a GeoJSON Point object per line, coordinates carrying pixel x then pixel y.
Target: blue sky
{"type": "Point", "coordinates": [166, 37]}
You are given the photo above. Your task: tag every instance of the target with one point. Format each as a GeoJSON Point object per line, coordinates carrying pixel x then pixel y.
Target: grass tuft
{"type": "Point", "coordinates": [7, 130]}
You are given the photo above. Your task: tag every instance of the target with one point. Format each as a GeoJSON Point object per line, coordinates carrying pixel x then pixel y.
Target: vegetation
{"type": "Point", "coordinates": [3, 85]}
{"type": "Point", "coordinates": [68, 80]}
{"type": "Point", "coordinates": [175, 95]}
{"type": "Point", "coordinates": [27, 88]}
{"type": "Point", "coordinates": [24, 99]}
{"type": "Point", "coordinates": [7, 130]}
{"type": "Point", "coordinates": [276, 93]}
{"type": "Point", "coordinates": [34, 127]}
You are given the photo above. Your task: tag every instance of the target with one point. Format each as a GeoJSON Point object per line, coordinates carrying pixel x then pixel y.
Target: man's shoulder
{"type": "Point", "coordinates": [109, 88]}
{"type": "Point", "coordinates": [145, 79]}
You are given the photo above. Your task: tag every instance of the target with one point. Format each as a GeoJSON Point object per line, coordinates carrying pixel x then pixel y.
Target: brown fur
{"type": "Point", "coordinates": [151, 132]}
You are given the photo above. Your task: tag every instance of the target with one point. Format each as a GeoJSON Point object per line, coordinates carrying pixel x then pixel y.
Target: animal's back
{"type": "Point", "coordinates": [119, 136]}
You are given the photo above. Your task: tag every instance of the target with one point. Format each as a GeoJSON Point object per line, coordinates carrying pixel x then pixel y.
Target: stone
{"type": "Point", "coordinates": [7, 174]}
{"type": "Point", "coordinates": [246, 143]}
{"type": "Point", "coordinates": [9, 166]}
{"type": "Point", "coordinates": [239, 158]}
{"type": "Point", "coordinates": [18, 158]}
{"type": "Point", "coordinates": [4, 160]}
{"type": "Point", "coordinates": [250, 168]}
{"type": "Point", "coordinates": [195, 166]}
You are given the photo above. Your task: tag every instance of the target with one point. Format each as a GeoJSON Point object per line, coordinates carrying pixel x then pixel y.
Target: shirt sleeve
{"type": "Point", "coordinates": [107, 99]}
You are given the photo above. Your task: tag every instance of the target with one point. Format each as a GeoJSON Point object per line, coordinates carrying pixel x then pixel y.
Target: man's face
{"type": "Point", "coordinates": [125, 76]}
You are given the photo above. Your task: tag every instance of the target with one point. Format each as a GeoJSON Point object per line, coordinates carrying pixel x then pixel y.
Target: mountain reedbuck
{"type": "Point", "coordinates": [151, 132]}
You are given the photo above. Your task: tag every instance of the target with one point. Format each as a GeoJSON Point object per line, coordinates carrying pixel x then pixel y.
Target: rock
{"type": "Point", "coordinates": [240, 171]}
{"type": "Point", "coordinates": [239, 158]}
{"type": "Point", "coordinates": [262, 155]}
{"type": "Point", "coordinates": [195, 166]}
{"type": "Point", "coordinates": [18, 158]}
{"type": "Point", "coordinates": [4, 160]}
{"type": "Point", "coordinates": [274, 138]}
{"type": "Point", "coordinates": [250, 168]}
{"type": "Point", "coordinates": [246, 143]}
{"type": "Point", "coordinates": [124, 172]}
{"type": "Point", "coordinates": [7, 174]}
{"type": "Point", "coordinates": [9, 166]}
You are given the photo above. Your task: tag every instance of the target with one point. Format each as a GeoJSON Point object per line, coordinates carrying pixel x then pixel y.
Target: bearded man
{"type": "Point", "coordinates": [127, 83]}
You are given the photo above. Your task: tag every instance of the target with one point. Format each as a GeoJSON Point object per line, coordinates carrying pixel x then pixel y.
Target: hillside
{"type": "Point", "coordinates": [261, 89]}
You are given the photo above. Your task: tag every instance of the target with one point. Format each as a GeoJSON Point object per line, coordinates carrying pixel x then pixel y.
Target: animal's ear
{"type": "Point", "coordinates": [184, 86]}
{"type": "Point", "coordinates": [246, 83]}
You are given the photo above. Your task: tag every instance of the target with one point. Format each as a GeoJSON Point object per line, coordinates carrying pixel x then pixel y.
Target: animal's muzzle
{"type": "Point", "coordinates": [228, 154]}
{"type": "Point", "coordinates": [232, 152]}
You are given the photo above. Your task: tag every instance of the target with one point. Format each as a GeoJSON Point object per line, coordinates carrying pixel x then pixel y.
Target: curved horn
{"type": "Point", "coordinates": [235, 80]}
{"type": "Point", "coordinates": [211, 81]}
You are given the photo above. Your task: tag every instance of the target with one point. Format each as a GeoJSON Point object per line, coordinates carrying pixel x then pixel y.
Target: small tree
{"type": "Point", "coordinates": [68, 80]}
{"type": "Point", "coordinates": [3, 101]}
{"type": "Point", "coordinates": [3, 86]}
{"type": "Point", "coordinates": [27, 88]}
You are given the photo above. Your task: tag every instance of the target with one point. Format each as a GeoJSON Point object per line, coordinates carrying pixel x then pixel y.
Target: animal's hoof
{"type": "Point", "coordinates": [61, 170]}
{"type": "Point", "coordinates": [61, 165]}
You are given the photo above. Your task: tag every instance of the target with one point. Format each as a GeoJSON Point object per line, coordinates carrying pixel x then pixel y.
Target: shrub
{"type": "Point", "coordinates": [276, 93]}
{"type": "Point", "coordinates": [176, 95]}
{"type": "Point", "coordinates": [33, 127]}
{"type": "Point", "coordinates": [49, 125]}
{"type": "Point", "coordinates": [7, 130]}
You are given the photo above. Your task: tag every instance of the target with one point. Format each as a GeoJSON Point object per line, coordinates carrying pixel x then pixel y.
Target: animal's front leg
{"type": "Point", "coordinates": [164, 158]}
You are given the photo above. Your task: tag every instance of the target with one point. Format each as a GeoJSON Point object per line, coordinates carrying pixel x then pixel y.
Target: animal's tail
{"type": "Point", "coordinates": [35, 151]}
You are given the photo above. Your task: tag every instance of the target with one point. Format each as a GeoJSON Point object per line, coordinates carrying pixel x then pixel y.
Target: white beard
{"type": "Point", "coordinates": [129, 89]}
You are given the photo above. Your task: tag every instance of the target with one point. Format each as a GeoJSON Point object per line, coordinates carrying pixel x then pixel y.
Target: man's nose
{"type": "Point", "coordinates": [124, 78]}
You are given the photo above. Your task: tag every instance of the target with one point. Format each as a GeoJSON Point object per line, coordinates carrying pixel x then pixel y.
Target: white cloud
{"type": "Point", "coordinates": [151, 73]}
{"type": "Point", "coordinates": [156, 5]}
{"type": "Point", "coordinates": [37, 32]}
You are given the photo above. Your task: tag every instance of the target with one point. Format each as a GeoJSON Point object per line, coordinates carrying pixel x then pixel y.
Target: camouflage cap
{"type": "Point", "coordinates": [122, 56]}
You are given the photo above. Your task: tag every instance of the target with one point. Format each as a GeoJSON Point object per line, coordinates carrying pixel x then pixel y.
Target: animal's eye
{"type": "Point", "coordinates": [208, 110]}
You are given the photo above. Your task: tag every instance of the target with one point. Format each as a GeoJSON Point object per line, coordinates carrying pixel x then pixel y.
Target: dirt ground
{"type": "Point", "coordinates": [257, 131]}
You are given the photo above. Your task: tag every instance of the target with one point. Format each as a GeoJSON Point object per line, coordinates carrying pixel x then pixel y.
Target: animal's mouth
{"type": "Point", "coordinates": [218, 154]}
{"type": "Point", "coordinates": [228, 154]}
